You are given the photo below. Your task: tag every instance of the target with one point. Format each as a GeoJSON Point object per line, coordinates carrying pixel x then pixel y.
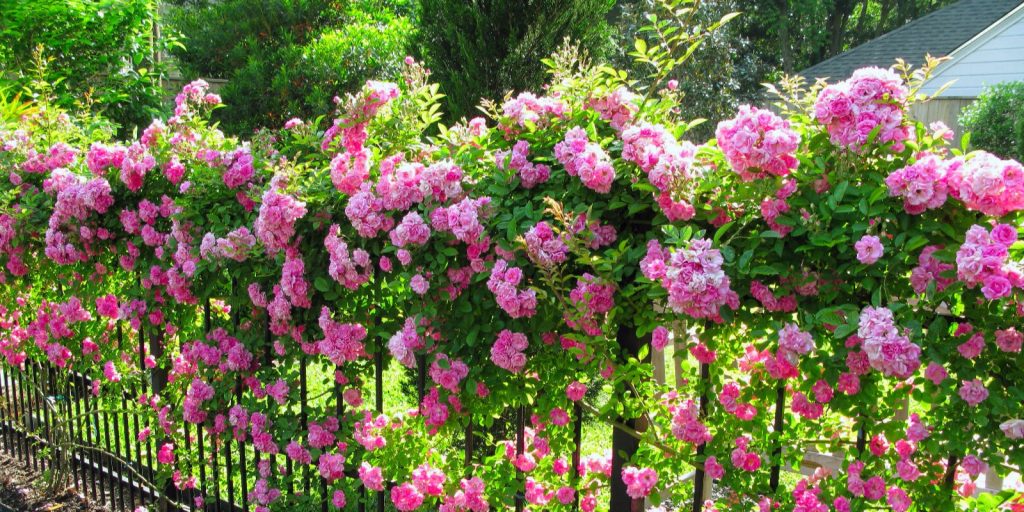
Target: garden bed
{"type": "Point", "coordinates": [19, 491]}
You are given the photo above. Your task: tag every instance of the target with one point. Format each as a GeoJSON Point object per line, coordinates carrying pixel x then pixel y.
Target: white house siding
{"type": "Point", "coordinates": [996, 55]}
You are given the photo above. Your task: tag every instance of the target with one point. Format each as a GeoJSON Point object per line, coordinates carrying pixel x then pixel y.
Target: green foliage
{"type": "Point", "coordinates": [996, 120]}
{"type": "Point", "coordinates": [289, 58]}
{"type": "Point", "coordinates": [483, 49]}
{"type": "Point", "coordinates": [707, 70]}
{"type": "Point", "coordinates": [98, 53]}
{"type": "Point", "coordinates": [13, 106]}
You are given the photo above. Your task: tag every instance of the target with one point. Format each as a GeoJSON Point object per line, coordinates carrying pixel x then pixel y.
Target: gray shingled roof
{"type": "Point", "coordinates": [937, 33]}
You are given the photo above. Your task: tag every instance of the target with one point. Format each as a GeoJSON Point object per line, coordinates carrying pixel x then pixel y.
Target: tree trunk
{"type": "Point", "coordinates": [837, 25]}
{"type": "Point", "coordinates": [785, 46]}
{"type": "Point", "coordinates": [861, 19]}
{"type": "Point", "coordinates": [883, 17]}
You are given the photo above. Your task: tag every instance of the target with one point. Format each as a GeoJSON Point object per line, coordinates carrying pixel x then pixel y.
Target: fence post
{"type": "Point", "coordinates": [158, 381]}
{"type": "Point", "coordinates": [624, 445]}
{"type": "Point", "coordinates": [780, 409]}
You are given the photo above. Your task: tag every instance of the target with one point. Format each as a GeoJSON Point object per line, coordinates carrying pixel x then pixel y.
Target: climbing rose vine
{"type": "Point", "coordinates": [831, 265]}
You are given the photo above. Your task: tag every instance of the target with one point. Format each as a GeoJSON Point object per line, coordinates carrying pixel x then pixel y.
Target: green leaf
{"type": "Point", "coordinates": [321, 284]}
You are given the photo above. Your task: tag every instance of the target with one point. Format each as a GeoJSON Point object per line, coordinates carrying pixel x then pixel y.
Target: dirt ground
{"type": "Point", "coordinates": [19, 491]}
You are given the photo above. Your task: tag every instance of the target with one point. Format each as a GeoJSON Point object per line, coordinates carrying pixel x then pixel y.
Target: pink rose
{"type": "Point", "coordinates": [973, 392]}
{"type": "Point", "coordinates": [869, 249]}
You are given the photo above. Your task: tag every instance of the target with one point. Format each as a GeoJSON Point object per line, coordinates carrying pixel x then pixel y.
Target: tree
{"type": "Point", "coordinates": [289, 58]}
{"type": "Point", "coordinates": [996, 120]}
{"type": "Point", "coordinates": [97, 54]}
{"type": "Point", "coordinates": [485, 48]}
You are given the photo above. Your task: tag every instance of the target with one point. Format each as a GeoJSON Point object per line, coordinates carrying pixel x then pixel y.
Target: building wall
{"type": "Point", "coordinates": [994, 56]}
{"type": "Point", "coordinates": [943, 109]}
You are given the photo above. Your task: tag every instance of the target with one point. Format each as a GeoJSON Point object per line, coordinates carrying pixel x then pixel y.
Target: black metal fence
{"type": "Point", "coordinates": [50, 417]}
{"type": "Point", "coordinates": [51, 421]}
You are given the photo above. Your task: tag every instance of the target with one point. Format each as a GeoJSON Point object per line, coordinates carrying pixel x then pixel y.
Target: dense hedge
{"type": "Point", "coordinates": [838, 254]}
{"type": "Point", "coordinates": [996, 120]}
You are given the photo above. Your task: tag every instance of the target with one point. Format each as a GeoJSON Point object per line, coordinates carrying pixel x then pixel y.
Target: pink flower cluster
{"type": "Point", "coordinates": [757, 143]}
{"type": "Point", "coordinates": [59, 155]}
{"type": "Point", "coordinates": [410, 231]}
{"type": "Point", "coordinates": [405, 342]}
{"type": "Point", "coordinates": [794, 341]}
{"type": "Point", "coordinates": [399, 183]}
{"type": "Point", "coordinates": [586, 159]}
{"type": "Point", "coordinates": [544, 247]}
{"type": "Point", "coordinates": [873, 488]}
{"type": "Point", "coordinates": [686, 424]}
{"type": "Point", "coordinates": [873, 98]}
{"type": "Point", "coordinates": [982, 259]}
{"type": "Point", "coordinates": [596, 234]}
{"type": "Point", "coordinates": [469, 497]}
{"type": "Point", "coordinates": [367, 431]}
{"type": "Point", "coordinates": [275, 225]}
{"type": "Point", "coordinates": [238, 167]}
{"type": "Point", "coordinates": [193, 95]}
{"type": "Point", "coordinates": [349, 269]}
{"type": "Point", "coordinates": [349, 170]}
{"type": "Point", "coordinates": [365, 212]}
{"type": "Point", "coordinates": [591, 299]}
{"type": "Point", "coordinates": [639, 481]}
{"type": "Point", "coordinates": [669, 165]}
{"type": "Point", "coordinates": [929, 269]}
{"type": "Point", "coordinates": [692, 276]}
{"type": "Point", "coordinates": [504, 284]}
{"type": "Point", "coordinates": [77, 200]}
{"type": "Point", "coordinates": [462, 219]}
{"type": "Point", "coordinates": [198, 392]}
{"type": "Point", "coordinates": [342, 342]}
{"type": "Point", "coordinates": [447, 372]}
{"type": "Point", "coordinates": [434, 411]}
{"type": "Point", "coordinates": [769, 301]}
{"type": "Point", "coordinates": [507, 351]}
{"type": "Point", "coordinates": [729, 398]}
{"type": "Point", "coordinates": [530, 174]}
{"type": "Point", "coordinates": [293, 281]}
{"type": "Point", "coordinates": [236, 245]}
{"type": "Point", "coordinates": [743, 459]}
{"type": "Point", "coordinates": [429, 480]}
{"type": "Point", "coordinates": [987, 184]}
{"type": "Point", "coordinates": [887, 350]}
{"type": "Point", "coordinates": [616, 107]}
{"type": "Point", "coordinates": [922, 184]}
{"type": "Point", "coordinates": [527, 109]}
{"type": "Point", "coordinates": [332, 466]}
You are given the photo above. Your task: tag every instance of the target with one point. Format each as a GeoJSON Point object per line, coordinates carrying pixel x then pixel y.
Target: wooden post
{"type": "Point", "coordinates": [624, 445]}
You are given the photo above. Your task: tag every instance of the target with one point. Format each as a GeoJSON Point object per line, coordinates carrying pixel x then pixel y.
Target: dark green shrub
{"type": "Point", "coordinates": [996, 120]}
{"type": "Point", "coordinates": [289, 58]}
{"type": "Point", "coordinates": [99, 53]}
{"type": "Point", "coordinates": [483, 49]}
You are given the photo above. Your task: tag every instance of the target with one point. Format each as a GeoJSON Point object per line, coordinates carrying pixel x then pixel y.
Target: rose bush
{"type": "Point", "coordinates": [834, 256]}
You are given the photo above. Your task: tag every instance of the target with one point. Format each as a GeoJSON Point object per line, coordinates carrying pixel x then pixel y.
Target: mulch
{"type": "Point", "coordinates": [20, 491]}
